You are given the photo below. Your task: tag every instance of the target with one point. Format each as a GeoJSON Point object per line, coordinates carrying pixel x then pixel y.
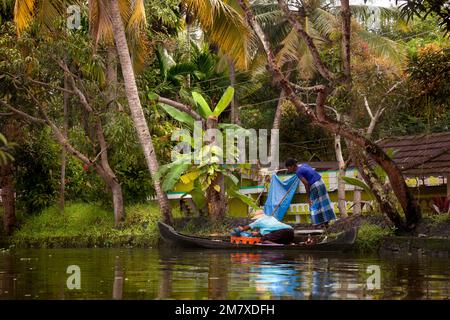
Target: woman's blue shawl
{"type": "Point", "coordinates": [277, 191]}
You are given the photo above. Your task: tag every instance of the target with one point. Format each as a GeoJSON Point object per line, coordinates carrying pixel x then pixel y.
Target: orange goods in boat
{"type": "Point", "coordinates": [245, 240]}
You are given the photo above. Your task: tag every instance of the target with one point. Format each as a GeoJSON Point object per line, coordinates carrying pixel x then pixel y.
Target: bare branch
{"type": "Point", "coordinates": [394, 87]}
{"type": "Point", "coordinates": [76, 90]}
{"type": "Point", "coordinates": [338, 116]}
{"type": "Point", "coordinates": [366, 103]}
{"type": "Point", "coordinates": [50, 86]}
{"type": "Point", "coordinates": [21, 113]}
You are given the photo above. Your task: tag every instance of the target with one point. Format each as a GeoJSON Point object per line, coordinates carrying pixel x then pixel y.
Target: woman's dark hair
{"type": "Point", "coordinates": [290, 162]}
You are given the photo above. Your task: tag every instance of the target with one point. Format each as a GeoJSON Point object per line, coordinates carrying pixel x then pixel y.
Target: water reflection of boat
{"type": "Point", "coordinates": [342, 242]}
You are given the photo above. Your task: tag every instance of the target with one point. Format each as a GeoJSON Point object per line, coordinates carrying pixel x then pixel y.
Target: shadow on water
{"type": "Point", "coordinates": [169, 273]}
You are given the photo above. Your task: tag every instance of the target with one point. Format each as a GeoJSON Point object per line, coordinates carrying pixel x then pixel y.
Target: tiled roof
{"type": "Point", "coordinates": [421, 155]}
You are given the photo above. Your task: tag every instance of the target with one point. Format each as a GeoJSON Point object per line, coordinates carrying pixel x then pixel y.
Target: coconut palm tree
{"type": "Point", "coordinates": [223, 23]}
{"type": "Point", "coordinates": [112, 8]}
{"type": "Point", "coordinates": [106, 23]}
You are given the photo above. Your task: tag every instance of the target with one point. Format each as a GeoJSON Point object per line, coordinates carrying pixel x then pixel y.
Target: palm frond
{"type": "Point", "coordinates": [137, 21]}
{"type": "Point", "coordinates": [224, 25]}
{"type": "Point", "coordinates": [383, 47]}
{"type": "Point", "coordinates": [374, 17]}
{"type": "Point", "coordinates": [288, 51]}
{"type": "Point", "coordinates": [49, 11]}
{"type": "Point", "coordinates": [24, 11]}
{"type": "Point", "coordinates": [100, 22]}
{"type": "Point", "coordinates": [326, 23]}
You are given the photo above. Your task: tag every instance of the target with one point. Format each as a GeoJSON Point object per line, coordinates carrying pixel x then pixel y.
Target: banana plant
{"type": "Point", "coordinates": [202, 107]}
{"type": "Point", "coordinates": [206, 174]}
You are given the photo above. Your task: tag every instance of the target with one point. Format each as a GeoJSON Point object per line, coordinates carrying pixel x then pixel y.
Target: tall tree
{"type": "Point", "coordinates": [319, 117]}
{"type": "Point", "coordinates": [135, 106]}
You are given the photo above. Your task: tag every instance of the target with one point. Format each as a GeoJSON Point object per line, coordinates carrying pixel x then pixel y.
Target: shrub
{"type": "Point", "coordinates": [370, 236]}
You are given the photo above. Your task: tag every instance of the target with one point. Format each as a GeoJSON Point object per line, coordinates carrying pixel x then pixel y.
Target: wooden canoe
{"type": "Point", "coordinates": [342, 242]}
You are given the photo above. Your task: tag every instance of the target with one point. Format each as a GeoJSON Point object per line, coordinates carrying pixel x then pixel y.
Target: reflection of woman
{"type": "Point", "coordinates": [322, 284]}
{"type": "Point", "coordinates": [280, 281]}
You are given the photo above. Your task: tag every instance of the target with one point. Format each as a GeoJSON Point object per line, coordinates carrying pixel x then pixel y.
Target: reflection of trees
{"type": "Point", "coordinates": [324, 278]}
{"type": "Point", "coordinates": [7, 284]}
{"type": "Point", "coordinates": [118, 279]}
{"type": "Point", "coordinates": [219, 268]}
{"type": "Point", "coordinates": [408, 276]}
{"type": "Point", "coordinates": [165, 284]}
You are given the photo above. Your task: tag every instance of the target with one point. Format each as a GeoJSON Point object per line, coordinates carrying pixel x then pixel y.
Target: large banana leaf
{"type": "Point", "coordinates": [178, 115]}
{"type": "Point", "coordinates": [247, 200]}
{"type": "Point", "coordinates": [203, 107]}
{"type": "Point", "coordinates": [198, 196]}
{"type": "Point", "coordinates": [173, 176]}
{"type": "Point", "coordinates": [224, 101]}
{"type": "Point", "coordinates": [190, 176]}
{"type": "Point", "coordinates": [359, 183]}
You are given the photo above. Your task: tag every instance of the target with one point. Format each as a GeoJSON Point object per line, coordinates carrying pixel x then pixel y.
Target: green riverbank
{"type": "Point", "coordinates": [88, 225]}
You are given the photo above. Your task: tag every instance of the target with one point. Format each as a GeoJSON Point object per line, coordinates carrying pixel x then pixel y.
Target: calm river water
{"type": "Point", "coordinates": [180, 274]}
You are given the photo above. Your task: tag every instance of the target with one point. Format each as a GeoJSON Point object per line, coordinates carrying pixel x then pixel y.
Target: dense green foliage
{"type": "Point", "coordinates": [87, 225]}
{"type": "Point", "coordinates": [370, 236]}
{"type": "Point", "coordinates": [424, 8]}
{"type": "Point", "coordinates": [396, 65]}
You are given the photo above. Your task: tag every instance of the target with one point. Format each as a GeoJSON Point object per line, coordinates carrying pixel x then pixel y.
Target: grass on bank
{"type": "Point", "coordinates": [370, 236]}
{"type": "Point", "coordinates": [88, 225]}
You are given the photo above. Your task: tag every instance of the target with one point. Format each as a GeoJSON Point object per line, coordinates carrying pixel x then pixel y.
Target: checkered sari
{"type": "Point", "coordinates": [321, 209]}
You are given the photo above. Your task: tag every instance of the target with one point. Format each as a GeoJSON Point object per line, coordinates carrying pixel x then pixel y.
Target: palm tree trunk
{"type": "Point", "coordinates": [134, 103]}
{"type": "Point", "coordinates": [111, 74]}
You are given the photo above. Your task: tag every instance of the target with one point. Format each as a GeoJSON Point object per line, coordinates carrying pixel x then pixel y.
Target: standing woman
{"type": "Point", "coordinates": [320, 206]}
